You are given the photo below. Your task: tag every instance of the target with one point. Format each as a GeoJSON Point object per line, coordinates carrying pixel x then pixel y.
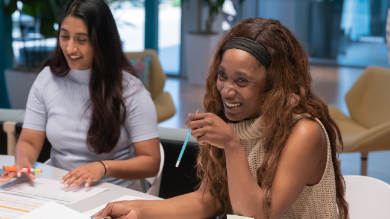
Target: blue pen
{"type": "Point", "coordinates": [184, 146]}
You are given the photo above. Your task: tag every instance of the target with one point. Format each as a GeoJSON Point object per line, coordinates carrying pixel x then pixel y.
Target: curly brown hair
{"type": "Point", "coordinates": [288, 92]}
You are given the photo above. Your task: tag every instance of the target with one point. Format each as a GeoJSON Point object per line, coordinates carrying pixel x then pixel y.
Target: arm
{"type": "Point", "coordinates": [145, 164]}
{"type": "Point", "coordinates": [301, 162]}
{"type": "Point", "coordinates": [193, 205]}
{"type": "Point", "coordinates": [27, 151]}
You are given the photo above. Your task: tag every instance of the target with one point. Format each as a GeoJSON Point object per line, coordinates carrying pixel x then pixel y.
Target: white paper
{"type": "Point", "coordinates": [50, 190]}
{"type": "Point", "coordinates": [229, 216]}
{"type": "Point", "coordinates": [123, 198]}
{"type": "Point", "coordinates": [53, 210]}
{"type": "Point", "coordinates": [14, 206]}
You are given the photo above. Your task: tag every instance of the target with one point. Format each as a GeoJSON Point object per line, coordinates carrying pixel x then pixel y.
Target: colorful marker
{"type": "Point", "coordinates": [26, 170]}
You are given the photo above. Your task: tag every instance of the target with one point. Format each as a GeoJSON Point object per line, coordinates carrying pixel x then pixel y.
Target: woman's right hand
{"type": "Point", "coordinates": [7, 176]}
{"type": "Point", "coordinates": [120, 210]}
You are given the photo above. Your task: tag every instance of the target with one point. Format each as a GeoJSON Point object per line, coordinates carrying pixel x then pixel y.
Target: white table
{"type": "Point", "coordinates": [50, 172]}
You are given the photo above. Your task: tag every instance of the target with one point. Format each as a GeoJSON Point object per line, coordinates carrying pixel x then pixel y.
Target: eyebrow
{"type": "Point", "coordinates": [76, 33]}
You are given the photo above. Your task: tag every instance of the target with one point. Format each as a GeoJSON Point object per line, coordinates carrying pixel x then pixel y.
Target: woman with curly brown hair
{"type": "Point", "coordinates": [267, 143]}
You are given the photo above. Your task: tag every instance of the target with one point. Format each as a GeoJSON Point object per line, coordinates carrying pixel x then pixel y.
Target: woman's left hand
{"type": "Point", "coordinates": [89, 172]}
{"type": "Point", "coordinates": [211, 129]}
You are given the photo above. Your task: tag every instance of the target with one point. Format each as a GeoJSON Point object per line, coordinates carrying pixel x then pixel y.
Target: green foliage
{"type": "Point", "coordinates": [176, 3]}
{"type": "Point", "coordinates": [9, 6]}
{"type": "Point", "coordinates": [43, 11]}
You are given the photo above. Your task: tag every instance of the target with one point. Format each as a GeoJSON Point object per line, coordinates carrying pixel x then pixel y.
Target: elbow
{"type": "Point", "coordinates": [154, 168]}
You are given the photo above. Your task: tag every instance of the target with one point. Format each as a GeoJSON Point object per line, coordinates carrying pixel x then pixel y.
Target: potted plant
{"type": "Point", "coordinates": [199, 45]}
{"type": "Point", "coordinates": [36, 21]}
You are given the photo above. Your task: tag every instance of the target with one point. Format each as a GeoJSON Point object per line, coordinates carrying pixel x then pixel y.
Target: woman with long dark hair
{"type": "Point", "coordinates": [97, 115]}
{"type": "Point", "coordinates": [268, 148]}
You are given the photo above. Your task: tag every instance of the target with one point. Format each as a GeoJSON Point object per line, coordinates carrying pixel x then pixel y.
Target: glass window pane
{"type": "Point", "coordinates": [169, 36]}
{"type": "Point", "coordinates": [130, 20]}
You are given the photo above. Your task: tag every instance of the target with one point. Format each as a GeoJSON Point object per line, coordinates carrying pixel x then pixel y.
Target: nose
{"type": "Point", "coordinates": [227, 90]}
{"type": "Point", "coordinates": [71, 48]}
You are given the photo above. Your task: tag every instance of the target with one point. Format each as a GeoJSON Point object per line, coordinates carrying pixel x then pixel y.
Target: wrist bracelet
{"type": "Point", "coordinates": [105, 170]}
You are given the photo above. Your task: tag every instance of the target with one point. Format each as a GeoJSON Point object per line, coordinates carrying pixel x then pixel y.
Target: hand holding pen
{"type": "Point", "coordinates": [210, 129]}
{"type": "Point", "coordinates": [16, 171]}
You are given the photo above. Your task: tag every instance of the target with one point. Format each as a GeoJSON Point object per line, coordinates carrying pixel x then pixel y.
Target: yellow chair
{"type": "Point", "coordinates": [162, 100]}
{"type": "Point", "coordinates": [368, 102]}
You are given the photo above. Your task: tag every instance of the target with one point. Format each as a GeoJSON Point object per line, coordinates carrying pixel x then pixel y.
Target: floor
{"type": "Point", "coordinates": [330, 83]}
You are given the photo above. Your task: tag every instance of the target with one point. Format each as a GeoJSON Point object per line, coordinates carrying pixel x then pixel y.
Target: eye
{"type": "Point", "coordinates": [222, 75]}
{"type": "Point", "coordinates": [82, 40]}
{"type": "Point", "coordinates": [242, 82]}
{"type": "Point", "coordinates": [64, 36]}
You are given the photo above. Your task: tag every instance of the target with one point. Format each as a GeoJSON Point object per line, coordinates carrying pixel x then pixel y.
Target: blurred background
{"type": "Point", "coordinates": [341, 37]}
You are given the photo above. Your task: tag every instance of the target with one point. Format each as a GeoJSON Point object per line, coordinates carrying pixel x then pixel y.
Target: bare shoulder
{"type": "Point", "coordinates": [307, 135]}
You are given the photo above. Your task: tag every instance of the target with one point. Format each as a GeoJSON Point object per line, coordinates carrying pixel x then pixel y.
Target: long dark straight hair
{"type": "Point", "coordinates": [105, 86]}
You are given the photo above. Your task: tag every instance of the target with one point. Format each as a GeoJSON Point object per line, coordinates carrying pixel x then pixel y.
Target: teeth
{"type": "Point", "coordinates": [75, 57]}
{"type": "Point", "coordinates": [232, 104]}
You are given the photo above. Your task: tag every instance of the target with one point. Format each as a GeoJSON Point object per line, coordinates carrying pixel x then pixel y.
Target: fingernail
{"type": "Point", "coordinates": [62, 182]}
{"type": "Point", "coordinates": [86, 184]}
{"type": "Point", "coordinates": [73, 185]}
{"type": "Point", "coordinates": [19, 174]}
{"type": "Point", "coordinates": [66, 186]}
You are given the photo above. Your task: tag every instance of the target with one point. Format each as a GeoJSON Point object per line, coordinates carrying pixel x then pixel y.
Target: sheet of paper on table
{"type": "Point", "coordinates": [123, 198]}
{"type": "Point", "coordinates": [49, 190]}
{"type": "Point", "coordinates": [15, 206]}
{"type": "Point", "coordinates": [229, 216]}
{"type": "Point", "coordinates": [54, 210]}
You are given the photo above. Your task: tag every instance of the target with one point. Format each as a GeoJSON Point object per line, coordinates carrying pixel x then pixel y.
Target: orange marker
{"type": "Point", "coordinates": [26, 170]}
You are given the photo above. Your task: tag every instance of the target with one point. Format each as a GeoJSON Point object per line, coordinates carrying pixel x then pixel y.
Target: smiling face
{"type": "Point", "coordinates": [75, 43]}
{"type": "Point", "coordinates": [241, 83]}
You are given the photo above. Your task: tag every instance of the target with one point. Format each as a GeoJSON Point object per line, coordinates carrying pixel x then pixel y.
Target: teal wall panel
{"type": "Point", "coordinates": [6, 54]}
{"type": "Point", "coordinates": [151, 24]}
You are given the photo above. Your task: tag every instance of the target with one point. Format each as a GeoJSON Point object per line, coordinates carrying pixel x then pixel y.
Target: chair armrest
{"type": "Point", "coordinates": [376, 138]}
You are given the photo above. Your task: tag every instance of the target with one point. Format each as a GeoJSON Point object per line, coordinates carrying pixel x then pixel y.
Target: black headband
{"type": "Point", "coordinates": [250, 46]}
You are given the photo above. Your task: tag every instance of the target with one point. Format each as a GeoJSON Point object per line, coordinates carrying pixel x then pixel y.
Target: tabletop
{"type": "Point", "coordinates": [112, 193]}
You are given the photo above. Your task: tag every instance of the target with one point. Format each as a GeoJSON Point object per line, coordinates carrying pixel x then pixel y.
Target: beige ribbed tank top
{"type": "Point", "coordinates": [317, 201]}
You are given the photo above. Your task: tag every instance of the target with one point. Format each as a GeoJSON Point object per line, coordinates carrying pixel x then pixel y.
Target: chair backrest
{"type": "Point", "coordinates": [367, 197]}
{"type": "Point", "coordinates": [156, 74]}
{"type": "Point", "coordinates": [368, 100]}
{"type": "Point", "coordinates": [156, 181]}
